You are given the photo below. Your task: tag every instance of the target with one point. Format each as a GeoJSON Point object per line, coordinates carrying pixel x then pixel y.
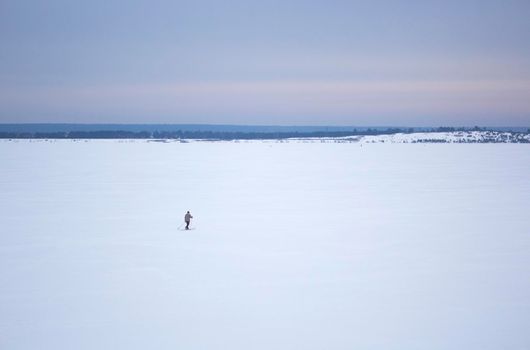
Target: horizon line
{"type": "Point", "coordinates": [268, 125]}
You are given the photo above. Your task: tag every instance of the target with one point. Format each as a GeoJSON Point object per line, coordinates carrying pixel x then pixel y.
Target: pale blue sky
{"type": "Point", "coordinates": [269, 62]}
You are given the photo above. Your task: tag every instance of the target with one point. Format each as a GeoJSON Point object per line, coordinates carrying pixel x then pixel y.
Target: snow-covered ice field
{"type": "Point", "coordinates": [296, 245]}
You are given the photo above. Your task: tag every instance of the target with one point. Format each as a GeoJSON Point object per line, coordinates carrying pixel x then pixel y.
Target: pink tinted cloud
{"type": "Point", "coordinates": [288, 102]}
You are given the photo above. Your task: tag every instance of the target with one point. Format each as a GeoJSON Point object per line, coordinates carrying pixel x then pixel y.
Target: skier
{"type": "Point", "coordinates": [188, 218]}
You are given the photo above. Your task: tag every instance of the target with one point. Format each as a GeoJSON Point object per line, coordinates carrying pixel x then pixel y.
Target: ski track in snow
{"type": "Point", "coordinates": [296, 245]}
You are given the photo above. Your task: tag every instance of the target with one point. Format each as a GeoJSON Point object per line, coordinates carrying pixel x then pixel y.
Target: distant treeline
{"type": "Point", "coordinates": [180, 134]}
{"type": "Point", "coordinates": [213, 135]}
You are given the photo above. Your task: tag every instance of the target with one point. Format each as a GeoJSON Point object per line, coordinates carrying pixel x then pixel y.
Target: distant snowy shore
{"type": "Point", "coordinates": [452, 137]}
{"type": "Point", "coordinates": [417, 137]}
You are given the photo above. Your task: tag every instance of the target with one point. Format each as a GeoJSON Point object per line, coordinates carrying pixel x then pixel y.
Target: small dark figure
{"type": "Point", "coordinates": [188, 218]}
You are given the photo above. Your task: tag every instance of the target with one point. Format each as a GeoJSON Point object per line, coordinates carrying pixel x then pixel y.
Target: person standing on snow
{"type": "Point", "coordinates": [188, 218]}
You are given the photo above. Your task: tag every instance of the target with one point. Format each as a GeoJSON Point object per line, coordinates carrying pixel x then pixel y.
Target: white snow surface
{"type": "Point", "coordinates": [296, 245]}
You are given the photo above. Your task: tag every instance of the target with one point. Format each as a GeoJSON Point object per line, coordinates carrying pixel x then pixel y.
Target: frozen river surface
{"type": "Point", "coordinates": [296, 246]}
